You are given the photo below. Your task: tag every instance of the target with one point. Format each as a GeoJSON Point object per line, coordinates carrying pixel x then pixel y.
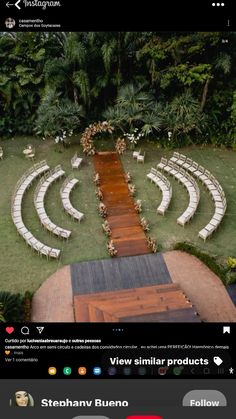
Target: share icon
{"type": "Point", "coordinates": [40, 329]}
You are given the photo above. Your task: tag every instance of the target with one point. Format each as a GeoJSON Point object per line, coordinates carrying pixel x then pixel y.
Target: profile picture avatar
{"type": "Point", "coordinates": [22, 399]}
{"type": "Point", "coordinates": [10, 23]}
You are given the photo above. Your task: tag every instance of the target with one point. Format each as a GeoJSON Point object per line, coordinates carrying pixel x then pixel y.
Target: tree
{"type": "Point", "coordinates": [124, 74]}
{"type": "Point", "coordinates": [22, 58]}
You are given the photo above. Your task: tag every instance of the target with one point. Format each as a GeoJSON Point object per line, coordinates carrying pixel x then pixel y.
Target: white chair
{"type": "Point", "coordinates": [30, 156]}
{"type": "Point", "coordinates": [136, 154]}
{"type": "Point", "coordinates": [76, 161]}
{"type": "Point", "coordinates": [1, 153]}
{"type": "Point", "coordinates": [141, 158]}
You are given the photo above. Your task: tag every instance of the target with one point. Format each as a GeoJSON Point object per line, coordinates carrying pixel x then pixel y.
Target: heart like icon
{"type": "Point", "coordinates": [10, 330]}
{"type": "Point", "coordinates": [7, 352]}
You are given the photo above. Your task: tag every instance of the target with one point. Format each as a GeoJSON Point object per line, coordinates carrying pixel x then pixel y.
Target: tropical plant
{"type": "Point", "coordinates": [153, 120]}
{"type": "Point", "coordinates": [11, 307]}
{"type": "Point", "coordinates": [22, 59]}
{"type": "Point", "coordinates": [135, 101]}
{"type": "Point", "coordinates": [183, 115]}
{"type": "Point", "coordinates": [56, 116]}
{"type": "Point", "coordinates": [133, 107]}
{"type": "Point", "coordinates": [132, 79]}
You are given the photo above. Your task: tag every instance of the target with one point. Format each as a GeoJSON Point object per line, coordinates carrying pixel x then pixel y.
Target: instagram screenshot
{"type": "Point", "coordinates": [117, 210]}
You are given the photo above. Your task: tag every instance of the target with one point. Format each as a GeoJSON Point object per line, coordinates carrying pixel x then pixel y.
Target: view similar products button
{"type": "Point", "coordinates": [204, 398]}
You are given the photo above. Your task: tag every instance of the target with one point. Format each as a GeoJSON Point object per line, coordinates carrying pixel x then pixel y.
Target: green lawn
{"type": "Point", "coordinates": [22, 270]}
{"type": "Point", "coordinates": [222, 163]}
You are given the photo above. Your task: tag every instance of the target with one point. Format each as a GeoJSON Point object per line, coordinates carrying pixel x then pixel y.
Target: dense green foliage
{"type": "Point", "coordinates": [157, 82]}
{"type": "Point", "coordinates": [11, 307]}
{"type": "Point", "coordinates": [56, 116]}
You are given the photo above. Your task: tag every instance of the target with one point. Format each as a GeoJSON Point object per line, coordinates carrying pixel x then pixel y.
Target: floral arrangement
{"type": "Point", "coordinates": [120, 145]}
{"type": "Point", "coordinates": [152, 244]}
{"type": "Point", "coordinates": [99, 194]}
{"type": "Point", "coordinates": [111, 248]}
{"type": "Point", "coordinates": [96, 179]}
{"type": "Point", "coordinates": [144, 224]}
{"type": "Point", "coordinates": [138, 206]}
{"type": "Point", "coordinates": [102, 210]}
{"type": "Point", "coordinates": [128, 177]}
{"type": "Point", "coordinates": [132, 189]}
{"type": "Point", "coordinates": [86, 139]}
{"type": "Point", "coordinates": [61, 138]}
{"type": "Point", "coordinates": [134, 137]}
{"type": "Point", "coordinates": [106, 228]}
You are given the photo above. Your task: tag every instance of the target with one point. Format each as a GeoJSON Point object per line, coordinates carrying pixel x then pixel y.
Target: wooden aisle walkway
{"type": "Point", "coordinates": [127, 234]}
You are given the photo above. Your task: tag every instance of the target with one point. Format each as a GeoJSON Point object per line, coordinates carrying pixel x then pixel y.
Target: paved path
{"type": "Point", "coordinates": [202, 286]}
{"type": "Point", "coordinates": [53, 302]}
{"type": "Point", "coordinates": [127, 234]}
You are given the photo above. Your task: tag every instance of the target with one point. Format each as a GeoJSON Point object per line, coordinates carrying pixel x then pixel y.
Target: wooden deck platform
{"type": "Point", "coordinates": [161, 303]}
{"type": "Point", "coordinates": [128, 289]}
{"type": "Point", "coordinates": [127, 234]}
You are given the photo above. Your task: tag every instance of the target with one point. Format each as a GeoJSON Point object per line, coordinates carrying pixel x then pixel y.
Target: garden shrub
{"type": "Point", "coordinates": [230, 278]}
{"type": "Point", "coordinates": [15, 307]}
{"type": "Point", "coordinates": [231, 262]}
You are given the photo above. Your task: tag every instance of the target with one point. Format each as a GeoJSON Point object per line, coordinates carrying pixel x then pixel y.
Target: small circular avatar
{"type": "Point", "coordinates": [10, 23]}
{"type": "Point", "coordinates": [22, 399]}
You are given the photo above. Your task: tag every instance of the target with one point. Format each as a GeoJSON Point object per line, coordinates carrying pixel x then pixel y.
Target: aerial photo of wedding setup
{"type": "Point", "coordinates": [117, 177]}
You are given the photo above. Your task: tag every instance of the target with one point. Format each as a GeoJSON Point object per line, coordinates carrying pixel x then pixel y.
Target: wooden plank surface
{"type": "Point", "coordinates": [155, 303]}
{"type": "Point", "coordinates": [127, 234]}
{"type": "Point", "coordinates": [119, 273]}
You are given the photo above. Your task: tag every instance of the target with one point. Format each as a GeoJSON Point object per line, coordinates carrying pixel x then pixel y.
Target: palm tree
{"type": "Point", "coordinates": [183, 115]}
{"type": "Point", "coordinates": [153, 120]}
{"type": "Point", "coordinates": [68, 73]}
{"type": "Point", "coordinates": [119, 51]}
{"type": "Point", "coordinates": [135, 102]}
{"type": "Point", "coordinates": [116, 116]}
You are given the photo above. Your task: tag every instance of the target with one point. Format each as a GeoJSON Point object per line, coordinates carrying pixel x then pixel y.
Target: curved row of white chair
{"type": "Point", "coordinates": [190, 184]}
{"type": "Point", "coordinates": [16, 210]}
{"type": "Point", "coordinates": [39, 202]}
{"type": "Point", "coordinates": [213, 186]}
{"type": "Point", "coordinates": [164, 185]}
{"type": "Point", "coordinates": [65, 191]}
